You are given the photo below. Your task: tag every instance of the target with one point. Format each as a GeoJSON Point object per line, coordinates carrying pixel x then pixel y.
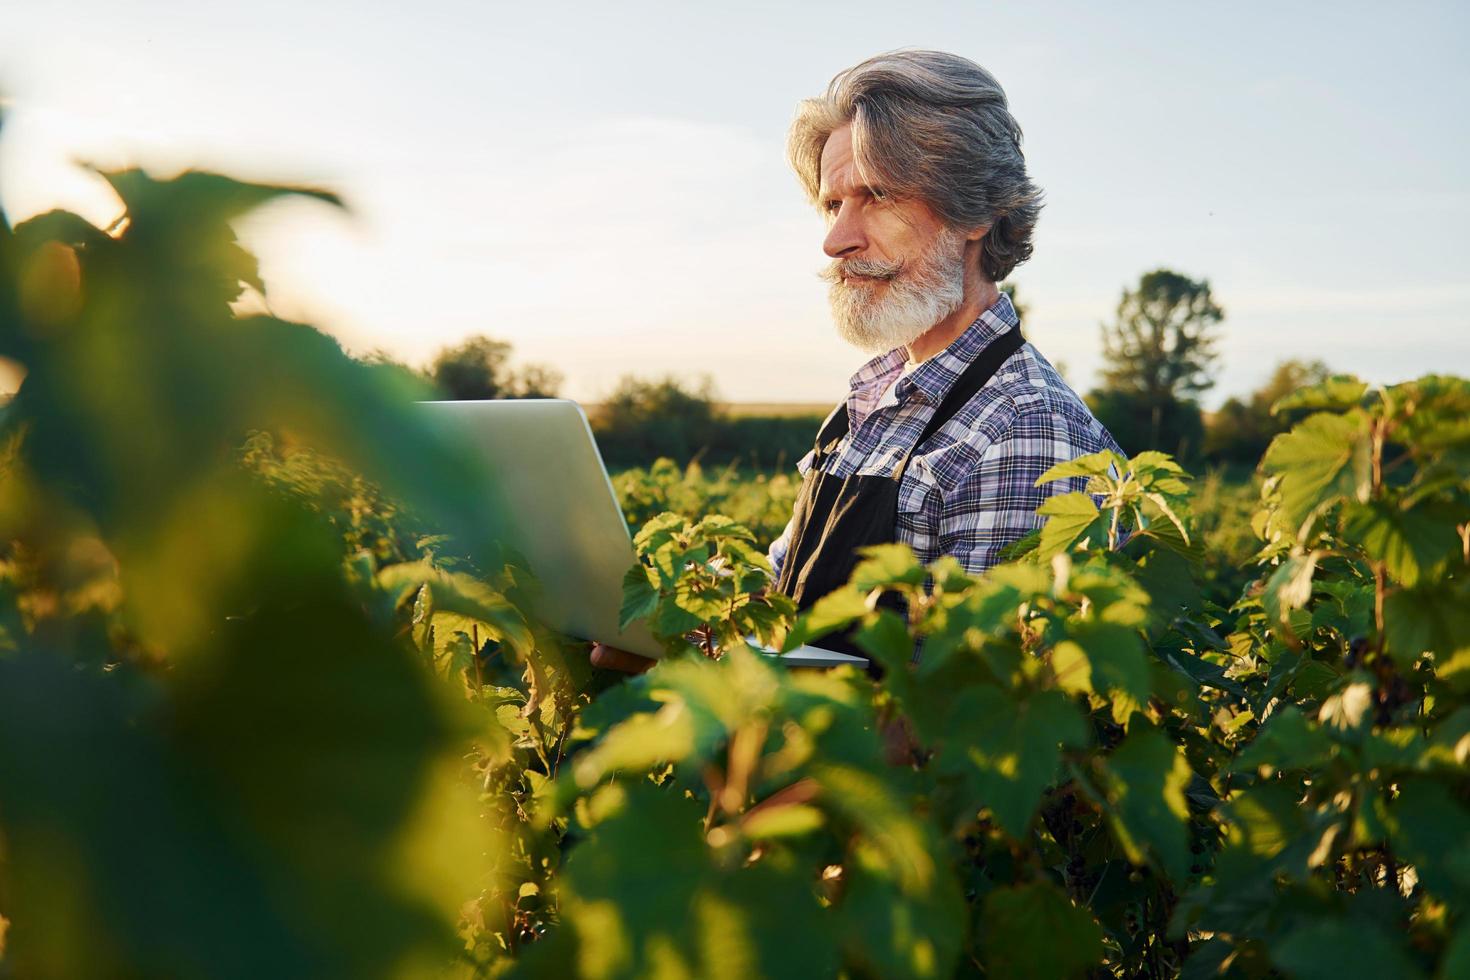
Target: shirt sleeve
{"type": "Point", "coordinates": [776, 554]}
{"type": "Point", "coordinates": [995, 502]}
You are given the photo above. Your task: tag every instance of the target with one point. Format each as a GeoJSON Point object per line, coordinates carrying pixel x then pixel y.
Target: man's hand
{"type": "Point", "coordinates": [612, 658]}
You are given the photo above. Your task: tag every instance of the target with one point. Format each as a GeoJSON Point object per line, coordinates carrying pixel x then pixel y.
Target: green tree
{"type": "Point", "coordinates": [1159, 353]}
{"type": "Point", "coordinates": [644, 419]}
{"type": "Point", "coordinates": [1138, 424]}
{"type": "Point", "coordinates": [480, 368]}
{"type": "Point", "coordinates": [1242, 428]}
{"type": "Point", "coordinates": [537, 381]}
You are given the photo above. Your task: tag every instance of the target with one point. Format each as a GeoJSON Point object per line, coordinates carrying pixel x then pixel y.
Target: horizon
{"type": "Point", "coordinates": [628, 208]}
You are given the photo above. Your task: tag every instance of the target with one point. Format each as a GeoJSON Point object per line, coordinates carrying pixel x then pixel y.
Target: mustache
{"type": "Point", "coordinates": [839, 269]}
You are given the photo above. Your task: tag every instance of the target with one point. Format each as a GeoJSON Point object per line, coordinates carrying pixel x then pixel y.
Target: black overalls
{"type": "Point", "coordinates": [834, 517]}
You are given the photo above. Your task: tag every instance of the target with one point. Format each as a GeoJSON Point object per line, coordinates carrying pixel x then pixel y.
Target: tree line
{"type": "Point", "coordinates": [1160, 355]}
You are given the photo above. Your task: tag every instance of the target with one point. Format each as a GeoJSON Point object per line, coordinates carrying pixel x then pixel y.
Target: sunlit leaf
{"type": "Point", "coordinates": [1322, 459]}
{"type": "Point", "coordinates": [1069, 516]}
{"type": "Point", "coordinates": [1145, 781]}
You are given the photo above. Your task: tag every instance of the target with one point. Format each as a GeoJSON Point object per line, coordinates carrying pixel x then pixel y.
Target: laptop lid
{"type": "Point", "coordinates": [564, 517]}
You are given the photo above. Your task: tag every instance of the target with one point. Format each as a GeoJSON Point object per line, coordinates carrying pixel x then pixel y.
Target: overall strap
{"type": "Point", "coordinates": [971, 380]}
{"type": "Point", "coordinates": [975, 377]}
{"type": "Point", "coordinates": [834, 430]}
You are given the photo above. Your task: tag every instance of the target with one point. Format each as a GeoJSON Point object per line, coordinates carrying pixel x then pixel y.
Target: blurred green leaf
{"type": "Point", "coordinates": [1337, 394]}
{"type": "Point", "coordinates": [1033, 932]}
{"type": "Point", "coordinates": [1329, 949]}
{"type": "Point", "coordinates": [1008, 751]}
{"type": "Point", "coordinates": [890, 932]}
{"type": "Point", "coordinates": [673, 910]}
{"type": "Point", "coordinates": [1428, 618]}
{"type": "Point", "coordinates": [887, 565]}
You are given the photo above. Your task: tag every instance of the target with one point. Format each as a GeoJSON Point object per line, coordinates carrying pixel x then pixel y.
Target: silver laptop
{"type": "Point", "coordinates": [564, 516]}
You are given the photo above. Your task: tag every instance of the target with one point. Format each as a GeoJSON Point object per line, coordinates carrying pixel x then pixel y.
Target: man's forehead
{"type": "Point", "coordinates": [838, 171]}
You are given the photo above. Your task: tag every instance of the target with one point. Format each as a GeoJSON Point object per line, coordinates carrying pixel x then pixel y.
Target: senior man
{"type": "Point", "coordinates": [915, 163]}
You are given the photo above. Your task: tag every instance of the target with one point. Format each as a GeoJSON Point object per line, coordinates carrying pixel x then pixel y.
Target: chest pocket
{"type": "Point", "coordinates": [918, 503]}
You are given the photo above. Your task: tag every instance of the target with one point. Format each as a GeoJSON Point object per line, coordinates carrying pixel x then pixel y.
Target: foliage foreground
{"type": "Point", "coordinates": [272, 704]}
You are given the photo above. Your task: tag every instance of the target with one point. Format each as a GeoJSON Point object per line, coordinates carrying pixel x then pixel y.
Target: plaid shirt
{"type": "Point", "coordinates": [970, 490]}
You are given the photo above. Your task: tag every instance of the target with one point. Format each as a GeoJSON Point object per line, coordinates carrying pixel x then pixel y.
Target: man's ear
{"type": "Point", "coordinates": [976, 234]}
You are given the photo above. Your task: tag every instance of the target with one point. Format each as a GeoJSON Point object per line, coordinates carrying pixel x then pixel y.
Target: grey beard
{"type": "Point", "coordinates": [914, 301]}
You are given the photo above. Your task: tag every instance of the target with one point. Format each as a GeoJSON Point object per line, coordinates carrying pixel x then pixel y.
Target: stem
{"type": "Point", "coordinates": [475, 656]}
{"type": "Point", "coordinates": [1380, 576]}
{"type": "Point", "coordinates": [1380, 588]}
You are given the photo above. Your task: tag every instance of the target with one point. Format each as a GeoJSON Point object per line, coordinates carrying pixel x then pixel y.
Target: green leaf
{"type": "Point", "coordinates": [1432, 831]}
{"type": "Point", "coordinates": [1265, 820]}
{"type": "Point", "coordinates": [464, 596]}
{"type": "Point", "coordinates": [458, 655]}
{"type": "Point", "coordinates": [887, 565]}
{"type": "Point", "coordinates": [1152, 461]}
{"type": "Point", "coordinates": [789, 820]}
{"type": "Point", "coordinates": [1350, 709]}
{"type": "Point", "coordinates": [888, 932]}
{"type": "Point", "coordinates": [675, 911]}
{"type": "Point", "coordinates": [1116, 665]}
{"type": "Point", "coordinates": [197, 196]}
{"type": "Point", "coordinates": [834, 611]}
{"type": "Point", "coordinates": [638, 744]}
{"type": "Point", "coordinates": [1172, 532]}
{"type": "Point", "coordinates": [1034, 932]}
{"type": "Point", "coordinates": [640, 598]}
{"type": "Point", "coordinates": [1454, 670]}
{"type": "Point", "coordinates": [903, 842]}
{"type": "Point", "coordinates": [1337, 394]}
{"type": "Point", "coordinates": [1289, 587]}
{"type": "Point", "coordinates": [673, 622]}
{"type": "Point", "coordinates": [1007, 751]}
{"type": "Point", "coordinates": [1322, 459]}
{"type": "Point", "coordinates": [887, 640]}
{"type": "Point", "coordinates": [1022, 546]}
{"type": "Point", "coordinates": [1069, 516]}
{"type": "Point", "coordinates": [1145, 779]}
{"type": "Point", "coordinates": [1428, 618]}
{"type": "Point", "coordinates": [1456, 963]}
{"type": "Point", "coordinates": [1093, 464]}
{"type": "Point", "coordinates": [1287, 741]}
{"type": "Point", "coordinates": [701, 598]}
{"type": "Point", "coordinates": [720, 526]}
{"type": "Point", "coordinates": [1408, 542]}
{"type": "Point", "coordinates": [1331, 949]}
{"type": "Point", "coordinates": [1202, 671]}
{"type": "Point", "coordinates": [659, 531]}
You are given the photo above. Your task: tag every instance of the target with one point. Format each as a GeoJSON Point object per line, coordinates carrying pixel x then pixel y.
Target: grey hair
{"type": "Point", "coordinates": [932, 126]}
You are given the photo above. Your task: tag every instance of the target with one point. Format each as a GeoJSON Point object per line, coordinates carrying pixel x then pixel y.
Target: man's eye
{"type": "Point", "coordinates": [831, 206]}
{"type": "Point", "coordinates": [879, 194]}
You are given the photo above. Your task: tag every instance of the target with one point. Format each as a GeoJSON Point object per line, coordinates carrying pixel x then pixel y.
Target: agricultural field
{"type": "Point", "coordinates": [272, 702]}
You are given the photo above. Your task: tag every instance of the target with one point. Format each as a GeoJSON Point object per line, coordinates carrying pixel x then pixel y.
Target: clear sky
{"type": "Point", "coordinates": [604, 185]}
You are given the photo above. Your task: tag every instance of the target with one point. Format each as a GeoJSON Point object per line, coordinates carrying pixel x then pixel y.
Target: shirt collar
{"type": "Point", "coordinates": [931, 380]}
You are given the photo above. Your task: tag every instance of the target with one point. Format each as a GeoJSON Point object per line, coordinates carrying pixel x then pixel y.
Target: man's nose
{"type": "Point", "coordinates": [846, 237]}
